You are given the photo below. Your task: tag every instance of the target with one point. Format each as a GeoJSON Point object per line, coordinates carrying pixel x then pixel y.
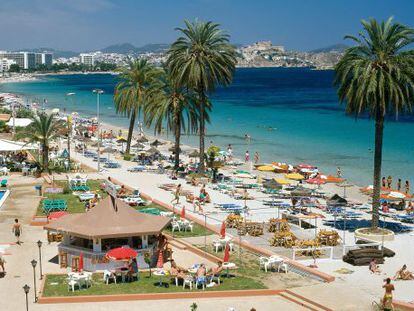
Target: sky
{"type": "Point", "coordinates": [84, 25]}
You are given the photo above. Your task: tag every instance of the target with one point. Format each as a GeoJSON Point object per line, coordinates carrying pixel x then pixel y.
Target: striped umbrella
{"type": "Point", "coordinates": [182, 213]}
{"type": "Point", "coordinates": [80, 268]}
{"type": "Point", "coordinates": [223, 230]}
{"type": "Point", "coordinates": [226, 257]}
{"type": "Point", "coordinates": [160, 261]}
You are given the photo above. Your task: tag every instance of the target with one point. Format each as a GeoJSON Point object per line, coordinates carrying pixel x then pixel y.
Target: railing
{"type": "Point", "coordinates": [93, 261]}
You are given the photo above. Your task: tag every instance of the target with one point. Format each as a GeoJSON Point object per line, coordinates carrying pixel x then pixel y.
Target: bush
{"type": "Point", "coordinates": [127, 157]}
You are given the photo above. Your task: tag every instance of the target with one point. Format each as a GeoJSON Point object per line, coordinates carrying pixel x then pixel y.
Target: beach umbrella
{"type": "Point", "coordinates": [172, 149]}
{"type": "Point", "coordinates": [194, 154]}
{"type": "Point", "coordinates": [344, 185]}
{"type": "Point", "coordinates": [182, 215]}
{"type": "Point", "coordinates": [316, 181]}
{"type": "Point", "coordinates": [142, 139]}
{"type": "Point", "coordinates": [160, 261]}
{"type": "Point", "coordinates": [152, 151]}
{"type": "Point", "coordinates": [397, 195]}
{"type": "Point", "coordinates": [80, 268]}
{"type": "Point", "coordinates": [57, 215]}
{"type": "Point", "coordinates": [272, 184]}
{"type": "Point", "coordinates": [305, 166]}
{"type": "Point", "coordinates": [121, 253]}
{"type": "Point", "coordinates": [266, 168]}
{"type": "Point", "coordinates": [282, 181]}
{"type": "Point", "coordinates": [121, 140]}
{"type": "Point", "coordinates": [294, 176]}
{"type": "Point", "coordinates": [223, 230]}
{"type": "Point", "coordinates": [226, 256]}
{"type": "Point", "coordinates": [138, 145]}
{"type": "Point", "coordinates": [156, 143]}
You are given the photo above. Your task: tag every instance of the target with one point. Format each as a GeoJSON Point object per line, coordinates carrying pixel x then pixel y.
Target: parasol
{"type": "Point", "coordinates": [121, 253]}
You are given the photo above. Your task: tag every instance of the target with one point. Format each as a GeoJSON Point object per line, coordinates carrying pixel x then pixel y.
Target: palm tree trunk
{"type": "Point", "coordinates": [130, 132]}
{"type": "Point", "coordinates": [45, 157]}
{"type": "Point", "coordinates": [202, 130]}
{"type": "Point", "coordinates": [177, 133]}
{"type": "Point", "coordinates": [379, 130]}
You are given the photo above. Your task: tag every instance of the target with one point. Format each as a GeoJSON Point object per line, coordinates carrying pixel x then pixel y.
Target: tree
{"type": "Point", "coordinates": [43, 129]}
{"type": "Point", "coordinates": [138, 85]}
{"type": "Point", "coordinates": [14, 68]}
{"type": "Point", "coordinates": [175, 107]}
{"type": "Point", "coordinates": [376, 77]}
{"type": "Point", "coordinates": [201, 59]}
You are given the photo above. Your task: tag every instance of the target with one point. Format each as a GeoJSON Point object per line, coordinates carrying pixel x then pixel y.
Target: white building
{"type": "Point", "coordinates": [5, 64]}
{"type": "Point", "coordinates": [87, 59]}
{"type": "Point", "coordinates": [28, 60]}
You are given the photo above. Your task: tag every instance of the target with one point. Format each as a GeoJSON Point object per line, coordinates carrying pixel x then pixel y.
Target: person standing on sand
{"type": "Point", "coordinates": [389, 182]}
{"type": "Point", "coordinates": [407, 186]}
{"type": "Point", "coordinates": [256, 157]}
{"type": "Point", "coordinates": [247, 156]}
{"type": "Point", "coordinates": [2, 262]}
{"type": "Point", "coordinates": [399, 184]}
{"type": "Point", "coordinates": [177, 195]}
{"type": "Point", "coordinates": [17, 230]}
{"type": "Point", "coordinates": [387, 300]}
{"type": "Point", "coordinates": [383, 182]}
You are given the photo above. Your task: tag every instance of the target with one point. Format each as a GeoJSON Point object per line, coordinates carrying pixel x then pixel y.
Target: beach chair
{"type": "Point", "coordinates": [3, 183]}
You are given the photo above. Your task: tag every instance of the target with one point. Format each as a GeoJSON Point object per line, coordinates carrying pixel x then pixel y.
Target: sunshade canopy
{"type": "Point", "coordinates": [294, 176]}
{"type": "Point", "coordinates": [104, 221]}
{"type": "Point", "coordinates": [9, 145]}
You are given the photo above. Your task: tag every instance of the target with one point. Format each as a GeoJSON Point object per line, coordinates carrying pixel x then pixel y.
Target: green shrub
{"type": "Point", "coordinates": [127, 157]}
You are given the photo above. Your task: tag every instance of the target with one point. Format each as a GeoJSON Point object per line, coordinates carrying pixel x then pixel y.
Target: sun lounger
{"type": "Point", "coordinates": [3, 183]}
{"type": "Point", "coordinates": [79, 188]}
{"type": "Point", "coordinates": [49, 206]}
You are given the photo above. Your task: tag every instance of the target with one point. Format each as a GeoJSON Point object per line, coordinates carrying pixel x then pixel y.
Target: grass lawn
{"type": "Point", "coordinates": [55, 285]}
{"type": "Point", "coordinates": [74, 205]}
{"type": "Point", "coordinates": [197, 229]}
{"type": "Point", "coordinates": [246, 261]}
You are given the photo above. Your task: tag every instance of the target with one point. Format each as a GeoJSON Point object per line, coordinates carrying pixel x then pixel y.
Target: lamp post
{"type": "Point", "coordinates": [26, 289]}
{"type": "Point", "coordinates": [69, 121]}
{"type": "Point", "coordinates": [39, 244]}
{"type": "Point", "coordinates": [98, 92]}
{"type": "Point", "coordinates": [34, 263]}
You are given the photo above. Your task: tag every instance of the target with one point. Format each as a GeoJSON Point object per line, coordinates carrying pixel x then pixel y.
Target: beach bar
{"type": "Point", "coordinates": [110, 224]}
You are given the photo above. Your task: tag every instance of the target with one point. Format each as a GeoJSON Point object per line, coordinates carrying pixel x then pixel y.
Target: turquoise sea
{"type": "Point", "coordinates": [291, 114]}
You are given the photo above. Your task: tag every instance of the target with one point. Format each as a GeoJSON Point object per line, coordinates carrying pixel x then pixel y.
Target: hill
{"type": "Point", "coordinates": [128, 48]}
{"type": "Point", "coordinates": [338, 48]}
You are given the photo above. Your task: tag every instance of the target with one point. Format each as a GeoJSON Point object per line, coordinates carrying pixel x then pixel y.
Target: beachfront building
{"type": "Point", "coordinates": [87, 59]}
{"type": "Point", "coordinates": [5, 64]}
{"type": "Point", "coordinates": [27, 60]}
{"type": "Point", "coordinates": [110, 224]}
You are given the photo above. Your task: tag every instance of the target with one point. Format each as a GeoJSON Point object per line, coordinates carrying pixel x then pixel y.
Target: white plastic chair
{"type": "Point", "coordinates": [265, 263]}
{"type": "Point", "coordinates": [175, 226]}
{"type": "Point", "coordinates": [108, 275]}
{"type": "Point", "coordinates": [189, 282]}
{"type": "Point", "coordinates": [217, 246]}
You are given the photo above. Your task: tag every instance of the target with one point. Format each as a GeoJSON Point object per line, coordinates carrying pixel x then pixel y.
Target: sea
{"type": "Point", "coordinates": [291, 114]}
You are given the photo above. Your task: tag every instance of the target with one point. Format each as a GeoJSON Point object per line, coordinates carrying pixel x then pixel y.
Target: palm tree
{"type": "Point", "coordinates": [43, 129]}
{"type": "Point", "coordinates": [136, 87]}
{"type": "Point", "coordinates": [376, 77]}
{"type": "Point", "coordinates": [176, 108]}
{"type": "Point", "coordinates": [201, 59]}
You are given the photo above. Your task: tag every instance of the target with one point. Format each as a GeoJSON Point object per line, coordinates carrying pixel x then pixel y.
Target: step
{"type": "Point", "coordinates": [304, 302]}
{"type": "Point", "coordinates": [177, 244]}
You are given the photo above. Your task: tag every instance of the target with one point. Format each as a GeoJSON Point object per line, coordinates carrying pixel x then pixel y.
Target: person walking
{"type": "Point", "coordinates": [338, 172]}
{"type": "Point", "coordinates": [407, 186]}
{"type": "Point", "coordinates": [176, 198]}
{"type": "Point", "coordinates": [247, 157]}
{"type": "Point", "coordinates": [399, 184]}
{"type": "Point", "coordinates": [17, 230]}
{"type": "Point", "coordinates": [256, 157]}
{"type": "Point", "coordinates": [2, 262]}
{"type": "Point", "coordinates": [389, 182]}
{"type": "Point", "coordinates": [387, 300]}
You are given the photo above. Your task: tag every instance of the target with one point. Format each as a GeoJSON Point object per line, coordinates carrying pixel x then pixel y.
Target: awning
{"type": "Point", "coordinates": [19, 122]}
{"type": "Point", "coordinates": [9, 145]}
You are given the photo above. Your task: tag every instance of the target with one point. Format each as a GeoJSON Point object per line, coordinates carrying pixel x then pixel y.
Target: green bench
{"type": "Point", "coordinates": [49, 205]}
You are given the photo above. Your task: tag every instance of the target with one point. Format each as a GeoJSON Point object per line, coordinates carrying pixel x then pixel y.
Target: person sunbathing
{"type": "Point", "coordinates": [403, 274]}
{"type": "Point", "coordinates": [122, 192]}
{"type": "Point", "coordinates": [373, 267]}
{"type": "Point", "coordinates": [216, 271]}
{"type": "Point", "coordinates": [176, 271]}
{"type": "Point", "coordinates": [201, 274]}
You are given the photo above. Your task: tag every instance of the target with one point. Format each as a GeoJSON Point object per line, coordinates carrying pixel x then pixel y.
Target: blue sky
{"type": "Point", "coordinates": [92, 24]}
